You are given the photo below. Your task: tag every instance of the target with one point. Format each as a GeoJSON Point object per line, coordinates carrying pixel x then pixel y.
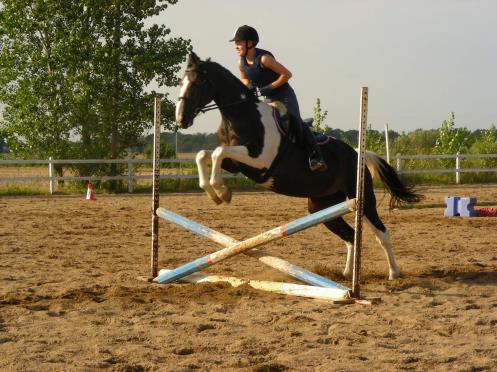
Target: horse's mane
{"type": "Point", "coordinates": [225, 74]}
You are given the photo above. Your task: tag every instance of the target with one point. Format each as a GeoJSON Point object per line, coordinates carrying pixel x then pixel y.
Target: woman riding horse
{"type": "Point", "coordinates": [259, 69]}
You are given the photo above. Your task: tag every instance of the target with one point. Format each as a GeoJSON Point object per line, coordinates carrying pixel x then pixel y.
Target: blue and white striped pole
{"type": "Point", "coordinates": [268, 236]}
{"type": "Point", "coordinates": [226, 241]}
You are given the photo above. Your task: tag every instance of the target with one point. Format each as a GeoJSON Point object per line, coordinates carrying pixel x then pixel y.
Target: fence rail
{"type": "Point", "coordinates": [457, 170]}
{"type": "Point", "coordinates": [131, 177]}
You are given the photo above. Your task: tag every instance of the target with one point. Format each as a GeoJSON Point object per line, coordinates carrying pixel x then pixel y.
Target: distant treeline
{"type": "Point", "coordinates": [419, 141]}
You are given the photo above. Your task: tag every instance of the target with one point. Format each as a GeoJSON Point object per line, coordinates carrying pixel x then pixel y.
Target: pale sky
{"type": "Point", "coordinates": [420, 59]}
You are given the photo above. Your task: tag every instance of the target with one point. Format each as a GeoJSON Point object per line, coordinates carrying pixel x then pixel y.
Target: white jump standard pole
{"type": "Point", "coordinates": [268, 236]}
{"type": "Point", "coordinates": [359, 212]}
{"type": "Point", "coordinates": [154, 254]}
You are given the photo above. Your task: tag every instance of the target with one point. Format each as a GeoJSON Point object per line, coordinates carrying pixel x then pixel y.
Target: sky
{"type": "Point", "coordinates": [420, 59]}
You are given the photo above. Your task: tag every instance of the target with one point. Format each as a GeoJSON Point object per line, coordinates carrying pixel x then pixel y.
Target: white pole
{"type": "Point", "coordinates": [458, 167]}
{"type": "Point", "coordinates": [154, 254]}
{"type": "Point", "coordinates": [361, 151]}
{"type": "Point", "coordinates": [387, 144]}
{"type": "Point", "coordinates": [50, 174]}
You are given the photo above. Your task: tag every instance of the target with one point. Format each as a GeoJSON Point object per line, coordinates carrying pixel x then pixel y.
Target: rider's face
{"type": "Point", "coordinates": [241, 47]}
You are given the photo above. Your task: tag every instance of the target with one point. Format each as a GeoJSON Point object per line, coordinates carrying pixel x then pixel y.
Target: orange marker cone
{"type": "Point", "coordinates": [90, 195]}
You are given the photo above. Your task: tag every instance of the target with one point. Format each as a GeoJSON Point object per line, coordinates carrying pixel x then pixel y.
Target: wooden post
{"type": "Point", "coordinates": [458, 167]}
{"type": "Point", "coordinates": [51, 174]}
{"type": "Point", "coordinates": [387, 143]}
{"type": "Point", "coordinates": [155, 190]}
{"type": "Point", "coordinates": [361, 150]}
{"type": "Point", "coordinates": [130, 175]}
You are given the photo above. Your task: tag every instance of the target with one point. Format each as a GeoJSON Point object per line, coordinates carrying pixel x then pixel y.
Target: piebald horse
{"type": "Point", "coordinates": [252, 143]}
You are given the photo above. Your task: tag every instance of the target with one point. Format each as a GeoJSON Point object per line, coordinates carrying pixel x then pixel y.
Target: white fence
{"type": "Point", "coordinates": [457, 170]}
{"type": "Point", "coordinates": [131, 176]}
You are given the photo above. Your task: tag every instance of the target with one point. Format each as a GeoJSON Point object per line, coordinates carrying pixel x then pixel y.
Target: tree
{"type": "Point", "coordinates": [73, 74]}
{"type": "Point", "coordinates": [319, 118]}
{"type": "Point", "coordinates": [451, 140]}
{"type": "Point", "coordinates": [486, 143]}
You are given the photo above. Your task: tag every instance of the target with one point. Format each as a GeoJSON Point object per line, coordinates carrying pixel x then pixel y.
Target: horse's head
{"type": "Point", "coordinates": [195, 93]}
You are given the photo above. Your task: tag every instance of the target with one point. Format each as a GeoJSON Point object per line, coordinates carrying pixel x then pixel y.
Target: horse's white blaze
{"type": "Point", "coordinates": [181, 102]}
{"type": "Point", "coordinates": [384, 240]}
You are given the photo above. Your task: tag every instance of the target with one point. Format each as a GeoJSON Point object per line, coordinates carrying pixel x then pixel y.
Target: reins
{"type": "Point", "coordinates": [215, 106]}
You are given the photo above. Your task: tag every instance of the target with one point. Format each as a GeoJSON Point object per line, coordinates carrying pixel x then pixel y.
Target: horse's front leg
{"type": "Point", "coordinates": [201, 159]}
{"type": "Point", "coordinates": [237, 153]}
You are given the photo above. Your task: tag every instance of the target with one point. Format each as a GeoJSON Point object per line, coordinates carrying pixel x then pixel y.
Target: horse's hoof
{"type": "Point", "coordinates": [347, 274]}
{"type": "Point", "coordinates": [394, 275]}
{"type": "Point", "coordinates": [226, 196]}
{"type": "Point", "coordinates": [215, 199]}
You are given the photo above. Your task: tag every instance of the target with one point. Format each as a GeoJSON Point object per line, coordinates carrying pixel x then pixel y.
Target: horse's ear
{"type": "Point", "coordinates": [194, 60]}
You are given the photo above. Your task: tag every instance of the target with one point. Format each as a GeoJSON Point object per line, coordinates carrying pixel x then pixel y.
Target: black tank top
{"type": "Point", "coordinates": [258, 75]}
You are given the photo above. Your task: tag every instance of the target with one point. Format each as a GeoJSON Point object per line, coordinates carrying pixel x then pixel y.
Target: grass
{"type": "Point", "coordinates": [187, 185]}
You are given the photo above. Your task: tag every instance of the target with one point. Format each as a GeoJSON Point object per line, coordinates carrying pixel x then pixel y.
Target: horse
{"type": "Point", "coordinates": [251, 142]}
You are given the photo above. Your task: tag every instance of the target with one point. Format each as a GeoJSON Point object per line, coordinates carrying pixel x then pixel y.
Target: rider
{"type": "Point", "coordinates": [259, 69]}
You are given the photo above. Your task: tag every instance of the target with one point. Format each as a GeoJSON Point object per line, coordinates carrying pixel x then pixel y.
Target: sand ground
{"type": "Point", "coordinates": [70, 298]}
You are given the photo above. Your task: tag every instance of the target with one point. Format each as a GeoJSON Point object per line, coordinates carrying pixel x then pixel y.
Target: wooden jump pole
{"type": "Point", "coordinates": [226, 241]}
{"type": "Point", "coordinates": [321, 293]}
{"type": "Point", "coordinates": [359, 211]}
{"type": "Point", "coordinates": [266, 237]}
{"type": "Point", "coordinates": [154, 256]}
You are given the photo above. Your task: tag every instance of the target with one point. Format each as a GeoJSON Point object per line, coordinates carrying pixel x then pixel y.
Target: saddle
{"type": "Point", "coordinates": [290, 126]}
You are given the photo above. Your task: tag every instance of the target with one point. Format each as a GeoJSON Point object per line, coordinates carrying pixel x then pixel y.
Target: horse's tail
{"type": "Point", "coordinates": [383, 171]}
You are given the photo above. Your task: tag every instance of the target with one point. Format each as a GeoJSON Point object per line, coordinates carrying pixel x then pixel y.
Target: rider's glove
{"type": "Point", "coordinates": [265, 90]}
{"type": "Point", "coordinates": [252, 88]}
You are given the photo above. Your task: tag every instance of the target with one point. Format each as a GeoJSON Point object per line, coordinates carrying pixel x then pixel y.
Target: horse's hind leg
{"type": "Point", "coordinates": [379, 230]}
{"type": "Point", "coordinates": [338, 226]}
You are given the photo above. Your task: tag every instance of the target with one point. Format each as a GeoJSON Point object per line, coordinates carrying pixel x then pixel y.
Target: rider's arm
{"type": "Point", "coordinates": [243, 77]}
{"type": "Point", "coordinates": [269, 62]}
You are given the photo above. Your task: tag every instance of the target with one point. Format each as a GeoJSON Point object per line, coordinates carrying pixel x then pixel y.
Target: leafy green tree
{"type": "Point", "coordinates": [486, 143]}
{"type": "Point", "coordinates": [451, 140]}
{"type": "Point", "coordinates": [375, 141]}
{"type": "Point", "coordinates": [319, 118]}
{"type": "Point", "coordinates": [166, 150]}
{"type": "Point", "coordinates": [73, 74]}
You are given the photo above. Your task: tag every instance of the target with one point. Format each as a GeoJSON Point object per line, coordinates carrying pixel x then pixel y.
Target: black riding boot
{"type": "Point", "coordinates": [316, 161]}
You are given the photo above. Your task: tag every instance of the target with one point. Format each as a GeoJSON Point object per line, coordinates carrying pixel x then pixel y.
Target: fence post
{"type": "Point", "coordinates": [398, 161]}
{"type": "Point", "coordinates": [51, 183]}
{"type": "Point", "coordinates": [130, 174]}
{"type": "Point", "coordinates": [458, 166]}
{"type": "Point", "coordinates": [387, 143]}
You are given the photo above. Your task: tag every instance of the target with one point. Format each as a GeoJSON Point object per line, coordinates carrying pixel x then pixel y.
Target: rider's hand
{"type": "Point", "coordinates": [252, 88]}
{"type": "Point", "coordinates": [265, 90]}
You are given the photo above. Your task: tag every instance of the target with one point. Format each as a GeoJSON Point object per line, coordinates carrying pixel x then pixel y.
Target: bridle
{"type": "Point", "coordinates": [215, 106]}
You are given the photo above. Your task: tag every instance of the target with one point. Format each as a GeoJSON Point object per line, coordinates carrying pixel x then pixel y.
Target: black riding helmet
{"type": "Point", "coordinates": [246, 33]}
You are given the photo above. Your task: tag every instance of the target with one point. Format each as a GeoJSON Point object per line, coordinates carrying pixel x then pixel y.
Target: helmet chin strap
{"type": "Point", "coordinates": [247, 48]}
